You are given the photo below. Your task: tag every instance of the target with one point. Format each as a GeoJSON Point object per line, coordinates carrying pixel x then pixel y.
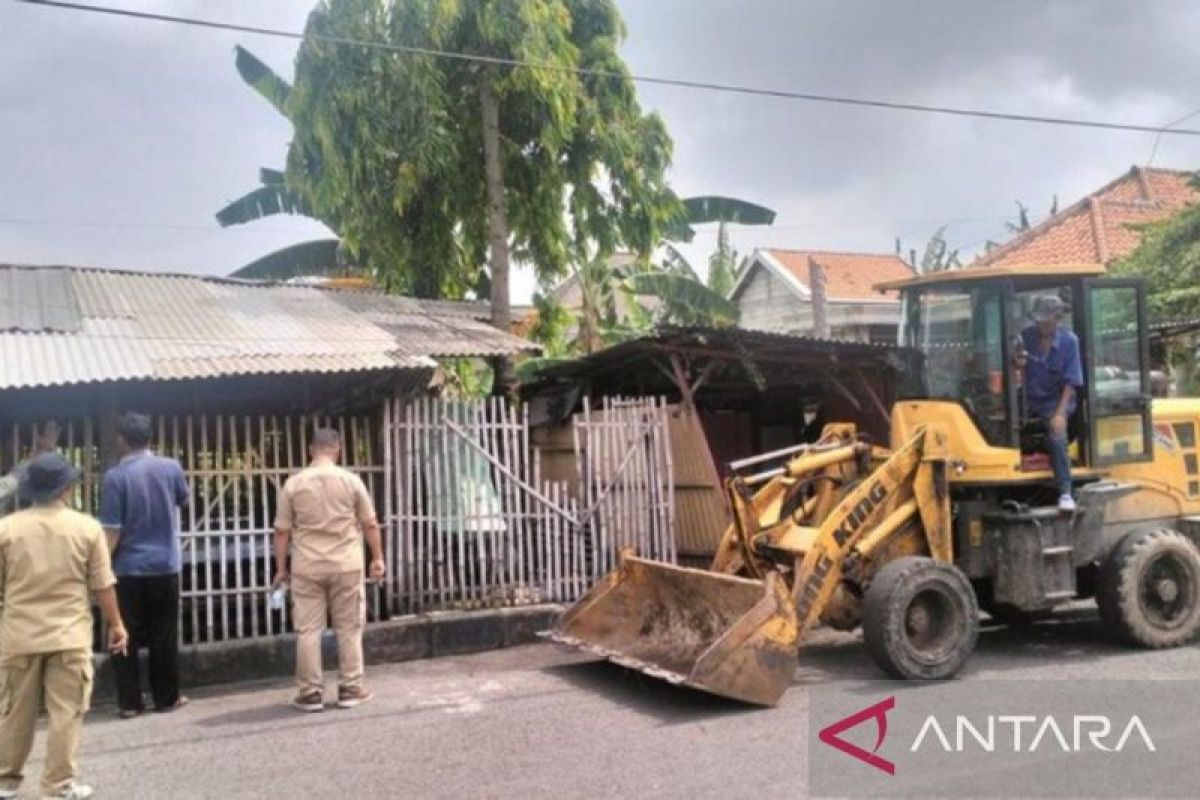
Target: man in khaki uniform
{"type": "Point", "coordinates": [325, 512]}
{"type": "Point", "coordinates": [50, 556]}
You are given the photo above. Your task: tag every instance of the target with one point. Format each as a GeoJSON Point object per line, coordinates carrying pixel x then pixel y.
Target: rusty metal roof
{"type": "Point", "coordinates": [67, 325]}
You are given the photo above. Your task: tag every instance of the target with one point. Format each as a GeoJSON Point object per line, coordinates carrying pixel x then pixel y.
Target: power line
{"type": "Point", "coordinates": [43, 222]}
{"type": "Point", "coordinates": [647, 79]}
{"type": "Point", "coordinates": [50, 223]}
{"type": "Point", "coordinates": [1165, 128]}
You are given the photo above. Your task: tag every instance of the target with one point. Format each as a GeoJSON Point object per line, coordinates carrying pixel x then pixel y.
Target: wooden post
{"type": "Point", "coordinates": [107, 412]}
{"type": "Point", "coordinates": [820, 305]}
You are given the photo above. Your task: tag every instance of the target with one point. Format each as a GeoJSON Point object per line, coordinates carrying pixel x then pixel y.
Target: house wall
{"type": "Point", "coordinates": [767, 303]}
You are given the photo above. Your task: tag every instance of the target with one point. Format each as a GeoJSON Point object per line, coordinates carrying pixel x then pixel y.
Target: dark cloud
{"type": "Point", "coordinates": [119, 121]}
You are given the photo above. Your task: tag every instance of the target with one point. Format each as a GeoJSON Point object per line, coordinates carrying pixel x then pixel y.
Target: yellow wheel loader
{"type": "Point", "coordinates": [958, 513]}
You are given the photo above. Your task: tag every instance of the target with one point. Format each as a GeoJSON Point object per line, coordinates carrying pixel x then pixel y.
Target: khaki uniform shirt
{"type": "Point", "coordinates": [325, 507]}
{"type": "Point", "coordinates": [49, 557]}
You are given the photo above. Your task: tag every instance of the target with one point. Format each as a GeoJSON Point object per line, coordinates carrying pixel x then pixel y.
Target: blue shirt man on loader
{"type": "Point", "coordinates": [1053, 377]}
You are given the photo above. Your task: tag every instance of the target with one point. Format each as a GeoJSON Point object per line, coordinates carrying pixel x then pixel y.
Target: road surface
{"type": "Point", "coordinates": [536, 722]}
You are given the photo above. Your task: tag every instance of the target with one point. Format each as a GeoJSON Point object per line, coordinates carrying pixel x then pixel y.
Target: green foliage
{"type": "Point", "coordinates": [705, 209]}
{"type": "Point", "coordinates": [552, 329]}
{"type": "Point", "coordinates": [1168, 258]}
{"type": "Point", "coordinates": [265, 201]}
{"type": "Point", "coordinates": [467, 378]}
{"type": "Point", "coordinates": [938, 256]}
{"type": "Point", "coordinates": [390, 145]}
{"type": "Point", "coordinates": [1022, 223]}
{"type": "Point", "coordinates": [683, 300]}
{"type": "Point", "coordinates": [262, 79]}
{"type": "Point", "coordinates": [722, 264]}
{"type": "Point", "coordinates": [318, 257]}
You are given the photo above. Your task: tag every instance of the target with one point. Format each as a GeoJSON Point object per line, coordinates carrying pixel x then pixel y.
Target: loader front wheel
{"type": "Point", "coordinates": [920, 619]}
{"type": "Point", "coordinates": [1149, 592]}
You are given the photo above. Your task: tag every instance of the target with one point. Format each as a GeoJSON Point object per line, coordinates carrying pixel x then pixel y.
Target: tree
{"type": "Point", "coordinates": [937, 256]}
{"type": "Point", "coordinates": [722, 264]}
{"type": "Point", "coordinates": [1168, 258]}
{"type": "Point", "coordinates": [320, 257]}
{"type": "Point", "coordinates": [434, 165]}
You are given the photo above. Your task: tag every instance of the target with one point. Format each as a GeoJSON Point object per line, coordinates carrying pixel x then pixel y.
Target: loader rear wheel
{"type": "Point", "coordinates": [920, 620]}
{"type": "Point", "coordinates": [1149, 592]}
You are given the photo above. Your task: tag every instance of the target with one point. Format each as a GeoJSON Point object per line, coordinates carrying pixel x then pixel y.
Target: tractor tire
{"type": "Point", "coordinates": [920, 619]}
{"type": "Point", "coordinates": [1149, 592]}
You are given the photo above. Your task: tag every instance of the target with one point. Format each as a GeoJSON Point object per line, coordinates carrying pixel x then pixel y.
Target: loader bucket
{"type": "Point", "coordinates": [726, 635]}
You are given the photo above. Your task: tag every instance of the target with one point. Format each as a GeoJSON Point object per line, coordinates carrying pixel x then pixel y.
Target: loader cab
{"type": "Point", "coordinates": [971, 325]}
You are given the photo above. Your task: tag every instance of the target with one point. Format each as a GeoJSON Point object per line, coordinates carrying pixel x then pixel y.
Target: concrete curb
{"type": "Point", "coordinates": [439, 633]}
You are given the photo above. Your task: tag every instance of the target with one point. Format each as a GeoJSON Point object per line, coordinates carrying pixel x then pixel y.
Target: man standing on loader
{"type": "Point", "coordinates": [1052, 378]}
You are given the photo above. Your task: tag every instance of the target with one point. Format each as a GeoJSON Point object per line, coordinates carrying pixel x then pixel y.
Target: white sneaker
{"type": "Point", "coordinates": [76, 791]}
{"type": "Point", "coordinates": [1066, 504]}
{"type": "Point", "coordinates": [6, 794]}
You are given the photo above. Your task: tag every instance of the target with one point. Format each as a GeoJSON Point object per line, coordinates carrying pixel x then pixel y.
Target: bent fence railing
{"type": "Point", "coordinates": [469, 519]}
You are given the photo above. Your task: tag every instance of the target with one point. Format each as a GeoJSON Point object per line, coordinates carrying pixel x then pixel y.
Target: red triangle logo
{"type": "Point", "coordinates": [831, 735]}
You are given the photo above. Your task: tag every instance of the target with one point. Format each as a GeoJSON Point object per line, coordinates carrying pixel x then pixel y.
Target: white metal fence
{"type": "Point", "coordinates": [473, 522]}
{"type": "Point", "coordinates": [469, 520]}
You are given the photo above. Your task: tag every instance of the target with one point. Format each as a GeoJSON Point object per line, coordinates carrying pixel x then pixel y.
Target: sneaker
{"type": "Point", "coordinates": [349, 697]}
{"type": "Point", "coordinates": [1066, 504]}
{"type": "Point", "coordinates": [7, 794]}
{"type": "Point", "coordinates": [75, 791]}
{"type": "Point", "coordinates": [309, 702]}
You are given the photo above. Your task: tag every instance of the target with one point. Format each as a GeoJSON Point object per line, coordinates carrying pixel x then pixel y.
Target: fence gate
{"type": "Point", "coordinates": [472, 522]}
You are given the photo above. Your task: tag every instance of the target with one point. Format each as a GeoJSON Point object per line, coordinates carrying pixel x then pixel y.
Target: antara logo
{"type": "Point", "coordinates": [1021, 733]}
{"type": "Point", "coordinates": [1074, 735]}
{"type": "Point", "coordinates": [831, 735]}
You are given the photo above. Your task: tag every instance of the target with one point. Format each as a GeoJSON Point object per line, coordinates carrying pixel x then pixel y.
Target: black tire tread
{"type": "Point", "coordinates": [1116, 596]}
{"type": "Point", "coordinates": [879, 612]}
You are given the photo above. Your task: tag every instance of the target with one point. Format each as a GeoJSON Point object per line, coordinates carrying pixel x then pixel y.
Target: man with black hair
{"type": "Point", "coordinates": [325, 514]}
{"type": "Point", "coordinates": [138, 509]}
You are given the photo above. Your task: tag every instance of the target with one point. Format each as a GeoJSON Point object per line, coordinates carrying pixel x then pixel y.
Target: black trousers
{"type": "Point", "coordinates": [150, 608]}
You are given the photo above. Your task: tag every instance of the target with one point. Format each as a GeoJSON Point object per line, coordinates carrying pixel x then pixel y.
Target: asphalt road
{"type": "Point", "coordinates": [536, 722]}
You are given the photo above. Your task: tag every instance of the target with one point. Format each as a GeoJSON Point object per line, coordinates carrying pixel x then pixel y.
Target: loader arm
{"type": "Point", "coordinates": [869, 517]}
{"type": "Point", "coordinates": [734, 630]}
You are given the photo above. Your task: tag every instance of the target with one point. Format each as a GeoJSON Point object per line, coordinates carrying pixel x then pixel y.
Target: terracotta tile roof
{"type": "Point", "coordinates": [1097, 228]}
{"type": "Point", "coordinates": [848, 276]}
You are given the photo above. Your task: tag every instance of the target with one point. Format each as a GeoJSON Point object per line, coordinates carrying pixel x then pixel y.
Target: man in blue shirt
{"type": "Point", "coordinates": [1053, 376]}
{"type": "Point", "coordinates": [138, 509]}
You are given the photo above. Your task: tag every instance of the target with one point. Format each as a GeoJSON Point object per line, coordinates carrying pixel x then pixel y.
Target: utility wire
{"type": "Point", "coordinates": [647, 79]}
{"type": "Point", "coordinates": [1158, 136]}
{"type": "Point", "coordinates": [167, 226]}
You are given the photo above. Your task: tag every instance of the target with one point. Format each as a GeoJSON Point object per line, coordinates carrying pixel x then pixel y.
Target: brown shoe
{"type": "Point", "coordinates": [309, 702]}
{"type": "Point", "coordinates": [351, 696]}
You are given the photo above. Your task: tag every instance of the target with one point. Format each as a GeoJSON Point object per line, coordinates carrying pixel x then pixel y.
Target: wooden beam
{"type": "Point", "coordinates": [874, 396]}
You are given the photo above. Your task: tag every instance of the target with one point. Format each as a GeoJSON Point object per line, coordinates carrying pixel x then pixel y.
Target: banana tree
{"type": "Point", "coordinates": [272, 196]}
{"type": "Point", "coordinates": [725, 211]}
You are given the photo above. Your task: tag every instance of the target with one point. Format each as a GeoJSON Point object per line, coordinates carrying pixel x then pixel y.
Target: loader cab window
{"type": "Point", "coordinates": [960, 332]}
{"type": "Point", "coordinates": [1118, 373]}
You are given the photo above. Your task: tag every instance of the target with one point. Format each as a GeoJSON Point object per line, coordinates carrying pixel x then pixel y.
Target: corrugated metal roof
{"type": "Point", "coordinates": [437, 328]}
{"type": "Point", "coordinates": [138, 326]}
{"type": "Point", "coordinates": [37, 300]}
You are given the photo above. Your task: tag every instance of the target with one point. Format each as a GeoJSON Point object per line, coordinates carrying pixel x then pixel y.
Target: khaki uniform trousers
{"type": "Point", "coordinates": [64, 680]}
{"type": "Point", "coordinates": [341, 598]}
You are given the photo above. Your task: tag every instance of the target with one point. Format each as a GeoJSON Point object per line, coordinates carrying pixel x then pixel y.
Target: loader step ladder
{"type": "Point", "coordinates": [1034, 557]}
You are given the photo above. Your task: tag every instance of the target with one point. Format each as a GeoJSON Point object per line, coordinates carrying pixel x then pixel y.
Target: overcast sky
{"type": "Point", "coordinates": [119, 139]}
